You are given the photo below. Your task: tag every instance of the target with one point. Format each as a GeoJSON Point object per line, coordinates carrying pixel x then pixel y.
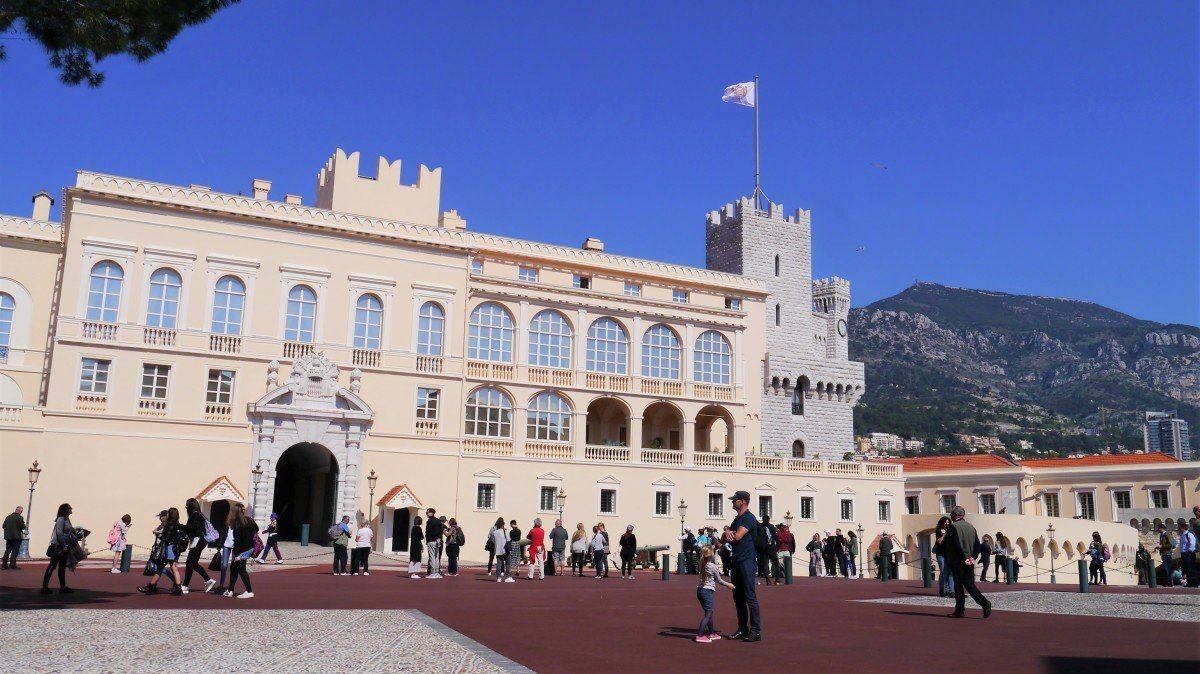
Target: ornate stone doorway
{"type": "Point", "coordinates": [308, 435]}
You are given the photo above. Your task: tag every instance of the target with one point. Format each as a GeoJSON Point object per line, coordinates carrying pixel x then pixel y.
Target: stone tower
{"type": "Point", "coordinates": [809, 385]}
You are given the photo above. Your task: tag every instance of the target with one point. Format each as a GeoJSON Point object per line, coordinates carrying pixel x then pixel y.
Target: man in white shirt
{"type": "Point", "coordinates": [362, 550]}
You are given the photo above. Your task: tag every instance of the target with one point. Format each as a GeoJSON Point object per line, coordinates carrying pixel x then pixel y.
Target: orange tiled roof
{"type": "Point", "coordinates": [957, 462]}
{"type": "Point", "coordinates": [1101, 460]}
{"type": "Point", "coordinates": [393, 492]}
{"type": "Point", "coordinates": [218, 481]}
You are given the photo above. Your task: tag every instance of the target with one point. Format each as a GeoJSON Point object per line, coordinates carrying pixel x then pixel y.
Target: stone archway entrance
{"type": "Point", "coordinates": [305, 490]}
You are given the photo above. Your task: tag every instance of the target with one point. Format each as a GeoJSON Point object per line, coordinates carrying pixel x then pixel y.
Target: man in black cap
{"type": "Point", "coordinates": [962, 547]}
{"type": "Point", "coordinates": [741, 537]}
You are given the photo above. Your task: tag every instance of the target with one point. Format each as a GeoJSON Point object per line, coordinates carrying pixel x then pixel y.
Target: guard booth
{"type": "Point", "coordinates": [216, 499]}
{"type": "Point", "coordinates": [396, 511]}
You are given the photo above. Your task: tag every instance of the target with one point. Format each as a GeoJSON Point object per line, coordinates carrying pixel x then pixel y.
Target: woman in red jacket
{"type": "Point", "coordinates": [537, 550]}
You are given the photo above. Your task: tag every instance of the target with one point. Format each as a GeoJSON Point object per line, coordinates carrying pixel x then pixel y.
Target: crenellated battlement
{"type": "Point", "coordinates": [745, 206]}
{"type": "Point", "coordinates": [341, 188]}
{"type": "Point", "coordinates": [831, 295]}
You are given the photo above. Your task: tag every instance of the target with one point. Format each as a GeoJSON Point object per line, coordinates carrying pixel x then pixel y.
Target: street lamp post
{"type": "Point", "coordinates": [562, 500]}
{"type": "Point", "coordinates": [682, 561]}
{"type": "Point", "coordinates": [787, 519]}
{"type": "Point", "coordinates": [682, 515]}
{"type": "Point", "coordinates": [34, 472]}
{"type": "Point", "coordinates": [371, 480]}
{"type": "Point", "coordinates": [257, 473]}
{"type": "Point", "coordinates": [1049, 540]}
{"type": "Point", "coordinates": [861, 545]}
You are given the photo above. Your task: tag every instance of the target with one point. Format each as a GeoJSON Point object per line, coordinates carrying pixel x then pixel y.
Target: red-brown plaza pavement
{"type": "Point", "coordinates": [582, 624]}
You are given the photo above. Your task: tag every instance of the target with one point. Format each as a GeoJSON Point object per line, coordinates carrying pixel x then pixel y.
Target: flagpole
{"type": "Point", "coordinates": [757, 99]}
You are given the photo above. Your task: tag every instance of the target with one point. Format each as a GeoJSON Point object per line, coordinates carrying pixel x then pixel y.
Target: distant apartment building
{"type": "Point", "coordinates": [983, 443]}
{"type": "Point", "coordinates": [1167, 433]}
{"type": "Point", "coordinates": [890, 443]}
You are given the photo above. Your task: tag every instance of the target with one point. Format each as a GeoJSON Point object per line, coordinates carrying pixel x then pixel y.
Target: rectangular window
{"type": "Point", "coordinates": [1051, 505]}
{"type": "Point", "coordinates": [1122, 499]}
{"type": "Point", "coordinates": [476, 266]}
{"type": "Point", "coordinates": [764, 506]}
{"type": "Point", "coordinates": [948, 502]}
{"type": "Point", "coordinates": [1159, 498]}
{"type": "Point", "coordinates": [580, 281]}
{"type": "Point", "coordinates": [427, 403]}
{"type": "Point", "coordinates": [220, 387]}
{"type": "Point", "coordinates": [662, 503]}
{"type": "Point", "coordinates": [633, 289]}
{"type": "Point", "coordinates": [679, 296]}
{"type": "Point", "coordinates": [912, 504]}
{"type": "Point", "coordinates": [716, 505]}
{"type": "Point", "coordinates": [154, 381]}
{"type": "Point", "coordinates": [987, 504]}
{"type": "Point", "coordinates": [885, 511]}
{"type": "Point", "coordinates": [93, 376]}
{"type": "Point", "coordinates": [547, 499]}
{"type": "Point", "coordinates": [608, 501]}
{"type": "Point", "coordinates": [529, 274]}
{"type": "Point", "coordinates": [1087, 505]}
{"type": "Point", "coordinates": [847, 510]}
{"type": "Point", "coordinates": [485, 497]}
{"type": "Point", "coordinates": [806, 508]}
{"type": "Point", "coordinates": [734, 303]}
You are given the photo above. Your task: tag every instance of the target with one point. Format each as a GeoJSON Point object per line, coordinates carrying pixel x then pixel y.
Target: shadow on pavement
{"type": "Point", "coordinates": [26, 598]}
{"type": "Point", "coordinates": [1122, 665]}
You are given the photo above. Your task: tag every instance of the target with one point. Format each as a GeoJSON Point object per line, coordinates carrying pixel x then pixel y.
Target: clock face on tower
{"type": "Point", "coordinates": [842, 327]}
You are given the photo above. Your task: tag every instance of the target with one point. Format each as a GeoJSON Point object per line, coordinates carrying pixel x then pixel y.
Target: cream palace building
{"type": "Point", "coordinates": [163, 342]}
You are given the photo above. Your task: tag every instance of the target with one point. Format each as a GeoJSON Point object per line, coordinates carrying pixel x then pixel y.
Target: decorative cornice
{"type": "Point", "coordinates": [28, 228]}
{"type": "Point", "coordinates": [297, 214]}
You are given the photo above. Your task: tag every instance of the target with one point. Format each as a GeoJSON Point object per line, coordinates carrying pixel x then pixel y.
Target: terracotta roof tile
{"type": "Point", "coordinates": [1101, 460]}
{"type": "Point", "coordinates": [957, 462]}
{"type": "Point", "coordinates": [393, 492]}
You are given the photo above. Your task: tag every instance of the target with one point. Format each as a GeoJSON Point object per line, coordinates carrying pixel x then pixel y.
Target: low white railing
{"type": "Point", "coordinates": [551, 376]}
{"type": "Point", "coordinates": [218, 412]}
{"type": "Point", "coordinates": [293, 350]}
{"type": "Point", "coordinates": [365, 357]}
{"type": "Point", "coordinates": [487, 447]}
{"type": "Point", "coordinates": [714, 460]}
{"type": "Point", "coordinates": [152, 407]}
{"type": "Point", "coordinates": [159, 336]}
{"type": "Point", "coordinates": [607, 382]}
{"type": "Point", "coordinates": [548, 450]}
{"type": "Point", "coordinates": [606, 453]}
{"type": "Point", "coordinates": [662, 457]}
{"type": "Point", "coordinates": [225, 343]}
{"type": "Point", "coordinates": [430, 364]}
{"type": "Point", "coordinates": [91, 402]}
{"type": "Point", "coordinates": [482, 369]}
{"type": "Point", "coordinates": [427, 426]}
{"type": "Point", "coordinates": [106, 332]}
{"type": "Point", "coordinates": [764, 463]}
{"type": "Point", "coordinates": [663, 387]}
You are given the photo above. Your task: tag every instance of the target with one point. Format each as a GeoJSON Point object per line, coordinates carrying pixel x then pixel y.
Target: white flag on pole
{"type": "Point", "coordinates": [742, 94]}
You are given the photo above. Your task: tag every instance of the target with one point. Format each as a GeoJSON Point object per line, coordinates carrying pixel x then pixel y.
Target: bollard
{"type": "Point", "coordinates": [787, 570]}
{"type": "Point", "coordinates": [885, 570]}
{"type": "Point", "coordinates": [666, 567]}
{"type": "Point", "coordinates": [679, 564]}
{"type": "Point", "coordinates": [126, 558]}
{"type": "Point", "coordinates": [1152, 575]}
{"type": "Point", "coordinates": [304, 535]}
{"type": "Point", "coordinates": [926, 572]}
{"type": "Point", "coordinates": [1083, 576]}
{"type": "Point", "coordinates": [1010, 577]}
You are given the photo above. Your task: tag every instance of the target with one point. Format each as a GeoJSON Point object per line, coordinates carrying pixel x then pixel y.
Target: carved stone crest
{"type": "Point", "coordinates": [314, 376]}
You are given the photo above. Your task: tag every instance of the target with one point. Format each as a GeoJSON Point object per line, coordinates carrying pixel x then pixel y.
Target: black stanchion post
{"type": "Point", "coordinates": [787, 570]}
{"type": "Point", "coordinates": [666, 566]}
{"type": "Point", "coordinates": [885, 570]}
{"type": "Point", "coordinates": [1083, 576]}
{"type": "Point", "coordinates": [1009, 576]}
{"type": "Point", "coordinates": [926, 572]}
{"type": "Point", "coordinates": [126, 558]}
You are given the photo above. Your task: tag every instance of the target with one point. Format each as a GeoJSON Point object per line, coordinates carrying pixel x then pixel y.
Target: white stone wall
{"type": "Point", "coordinates": [803, 345]}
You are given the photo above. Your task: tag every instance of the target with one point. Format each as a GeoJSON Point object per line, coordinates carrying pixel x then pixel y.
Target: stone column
{"type": "Point", "coordinates": [635, 436]}
{"type": "Point", "coordinates": [348, 489]}
{"type": "Point", "coordinates": [264, 457]}
{"type": "Point", "coordinates": [689, 442]}
{"type": "Point", "coordinates": [578, 434]}
{"type": "Point", "coordinates": [739, 444]}
{"type": "Point", "coordinates": [519, 429]}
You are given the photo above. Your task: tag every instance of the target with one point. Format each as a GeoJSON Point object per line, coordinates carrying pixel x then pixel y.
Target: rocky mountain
{"type": "Point", "coordinates": [1064, 374]}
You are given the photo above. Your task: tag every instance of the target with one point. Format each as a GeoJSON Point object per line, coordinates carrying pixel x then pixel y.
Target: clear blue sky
{"type": "Point", "coordinates": [1046, 148]}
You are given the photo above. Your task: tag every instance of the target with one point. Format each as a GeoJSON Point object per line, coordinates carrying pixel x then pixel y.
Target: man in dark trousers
{"type": "Point", "coordinates": [962, 547]}
{"type": "Point", "coordinates": [741, 537]}
{"type": "Point", "coordinates": [14, 533]}
{"type": "Point", "coordinates": [985, 555]}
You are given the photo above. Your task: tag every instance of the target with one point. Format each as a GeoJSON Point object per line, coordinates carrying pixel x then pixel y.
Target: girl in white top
{"type": "Point", "coordinates": [121, 529]}
{"type": "Point", "coordinates": [362, 550]}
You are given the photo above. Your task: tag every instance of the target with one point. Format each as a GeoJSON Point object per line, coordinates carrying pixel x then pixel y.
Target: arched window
{"type": "Point", "coordinates": [713, 359]}
{"type": "Point", "coordinates": [8, 307]}
{"type": "Point", "coordinates": [162, 307]}
{"type": "Point", "coordinates": [661, 353]}
{"type": "Point", "coordinates": [777, 265]}
{"type": "Point", "coordinates": [550, 340]}
{"type": "Point", "coordinates": [431, 325]}
{"type": "Point", "coordinates": [491, 334]}
{"type": "Point", "coordinates": [368, 322]}
{"type": "Point", "coordinates": [104, 292]}
{"type": "Point", "coordinates": [549, 418]}
{"type": "Point", "coordinates": [301, 315]}
{"type": "Point", "coordinates": [778, 315]}
{"type": "Point", "coordinates": [797, 400]}
{"type": "Point", "coordinates": [489, 413]}
{"type": "Point", "coordinates": [607, 347]}
{"type": "Point", "coordinates": [229, 301]}
{"type": "Point", "coordinates": [797, 449]}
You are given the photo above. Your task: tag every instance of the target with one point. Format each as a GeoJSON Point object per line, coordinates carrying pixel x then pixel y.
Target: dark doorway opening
{"type": "Point", "coordinates": [305, 491]}
{"type": "Point", "coordinates": [401, 521]}
{"type": "Point", "coordinates": [218, 512]}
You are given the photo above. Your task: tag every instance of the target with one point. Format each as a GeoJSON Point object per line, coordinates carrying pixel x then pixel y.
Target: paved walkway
{"type": "Point", "coordinates": [1178, 608]}
{"type": "Point", "coordinates": [582, 624]}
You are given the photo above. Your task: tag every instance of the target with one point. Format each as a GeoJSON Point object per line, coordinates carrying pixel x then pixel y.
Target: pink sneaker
{"type": "Point", "coordinates": [703, 640]}
{"type": "Point", "coordinates": [714, 637]}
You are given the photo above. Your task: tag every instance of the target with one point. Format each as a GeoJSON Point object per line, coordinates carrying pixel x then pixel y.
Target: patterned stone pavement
{"type": "Point", "coordinates": [1174, 607]}
{"type": "Point", "coordinates": [81, 640]}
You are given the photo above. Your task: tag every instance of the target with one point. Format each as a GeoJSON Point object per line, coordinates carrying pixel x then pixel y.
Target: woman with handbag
{"type": "Point", "coordinates": [197, 528]}
{"type": "Point", "coordinates": [171, 539]}
{"type": "Point", "coordinates": [579, 549]}
{"type": "Point", "coordinates": [61, 540]}
{"type": "Point", "coordinates": [416, 543]}
{"type": "Point", "coordinates": [244, 532]}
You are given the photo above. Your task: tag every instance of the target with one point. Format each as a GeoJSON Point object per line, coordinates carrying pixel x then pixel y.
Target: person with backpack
{"type": "Point", "coordinates": [272, 542]}
{"type": "Point", "coordinates": [1099, 554]}
{"type": "Point", "coordinates": [1165, 545]}
{"type": "Point", "coordinates": [455, 539]}
{"type": "Point", "coordinates": [416, 543]}
{"type": "Point", "coordinates": [340, 535]}
{"type": "Point", "coordinates": [766, 545]}
{"type": "Point", "coordinates": [117, 541]}
{"type": "Point", "coordinates": [200, 533]}
{"type": "Point", "coordinates": [499, 539]}
{"type": "Point", "coordinates": [171, 539]}
{"type": "Point", "coordinates": [245, 536]}
{"type": "Point", "coordinates": [745, 600]}
{"type": "Point", "coordinates": [579, 550]}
